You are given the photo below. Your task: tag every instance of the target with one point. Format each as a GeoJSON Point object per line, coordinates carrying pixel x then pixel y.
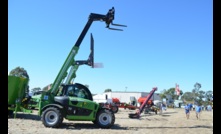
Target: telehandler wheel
{"type": "Point", "coordinates": [114, 109]}
{"type": "Point", "coordinates": [105, 118]}
{"type": "Point", "coordinates": [52, 117]}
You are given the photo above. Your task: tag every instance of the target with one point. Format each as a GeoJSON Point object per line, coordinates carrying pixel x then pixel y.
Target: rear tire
{"type": "Point", "coordinates": [105, 118]}
{"type": "Point", "coordinates": [52, 117]}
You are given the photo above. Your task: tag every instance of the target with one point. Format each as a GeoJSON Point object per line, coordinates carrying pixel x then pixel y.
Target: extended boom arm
{"type": "Point", "coordinates": [89, 62]}
{"type": "Point", "coordinates": [70, 61]}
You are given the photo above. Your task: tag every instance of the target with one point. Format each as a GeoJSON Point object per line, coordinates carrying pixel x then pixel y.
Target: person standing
{"type": "Point", "coordinates": [161, 108]}
{"type": "Point", "coordinates": [164, 107]}
{"type": "Point", "coordinates": [191, 106]}
{"type": "Point", "coordinates": [198, 111]}
{"type": "Point", "coordinates": [209, 108]}
{"type": "Point", "coordinates": [187, 111]}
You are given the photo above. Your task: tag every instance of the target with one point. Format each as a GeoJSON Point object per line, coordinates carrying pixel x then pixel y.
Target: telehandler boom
{"type": "Point", "coordinates": [69, 62]}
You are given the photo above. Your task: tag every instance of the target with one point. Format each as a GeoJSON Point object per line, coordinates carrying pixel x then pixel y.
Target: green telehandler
{"type": "Point", "coordinates": [73, 101]}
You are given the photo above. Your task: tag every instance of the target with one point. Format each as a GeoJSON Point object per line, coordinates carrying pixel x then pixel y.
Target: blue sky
{"type": "Point", "coordinates": [165, 42]}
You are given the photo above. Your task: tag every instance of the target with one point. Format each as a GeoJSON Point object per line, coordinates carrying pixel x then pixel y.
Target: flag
{"type": "Point", "coordinates": [177, 89]}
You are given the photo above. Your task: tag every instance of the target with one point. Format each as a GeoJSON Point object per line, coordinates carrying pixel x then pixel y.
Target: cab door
{"type": "Point", "coordinates": [80, 100]}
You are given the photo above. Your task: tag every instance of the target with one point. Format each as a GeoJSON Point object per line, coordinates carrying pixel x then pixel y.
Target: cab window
{"type": "Point", "coordinates": [77, 91]}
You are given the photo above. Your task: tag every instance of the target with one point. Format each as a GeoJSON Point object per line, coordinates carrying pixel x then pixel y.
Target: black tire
{"type": "Point", "coordinates": [52, 117]}
{"type": "Point", "coordinates": [105, 118]}
{"type": "Point", "coordinates": [114, 109]}
{"type": "Point", "coordinates": [134, 116]}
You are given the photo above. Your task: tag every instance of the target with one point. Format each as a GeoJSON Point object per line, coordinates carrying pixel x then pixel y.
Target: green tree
{"type": "Point", "coordinates": [170, 92]}
{"type": "Point", "coordinates": [198, 95]}
{"type": "Point", "coordinates": [187, 96]}
{"type": "Point", "coordinates": [108, 90]}
{"type": "Point", "coordinates": [36, 89]}
{"type": "Point", "coordinates": [208, 95]}
{"type": "Point", "coordinates": [163, 94]}
{"type": "Point", "coordinates": [197, 87]}
{"type": "Point", "coordinates": [46, 87]}
{"type": "Point", "coordinates": [181, 92]}
{"type": "Point", "coordinates": [19, 71]}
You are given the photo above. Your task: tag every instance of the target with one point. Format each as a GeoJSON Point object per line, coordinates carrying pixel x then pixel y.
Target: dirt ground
{"type": "Point", "coordinates": [172, 121]}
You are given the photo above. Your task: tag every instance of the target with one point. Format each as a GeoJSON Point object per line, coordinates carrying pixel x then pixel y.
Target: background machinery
{"type": "Point", "coordinates": [142, 107]}
{"type": "Point", "coordinates": [150, 105]}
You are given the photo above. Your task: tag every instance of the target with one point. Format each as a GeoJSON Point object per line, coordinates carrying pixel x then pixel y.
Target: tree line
{"type": "Point", "coordinates": [196, 95]}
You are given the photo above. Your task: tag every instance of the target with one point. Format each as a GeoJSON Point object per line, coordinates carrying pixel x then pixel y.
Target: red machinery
{"type": "Point", "coordinates": [117, 104]}
{"type": "Point", "coordinates": [123, 104]}
{"type": "Point", "coordinates": [150, 106]}
{"type": "Point", "coordinates": [142, 99]}
{"type": "Point", "coordinates": [141, 108]}
{"type": "Point", "coordinates": [115, 100]}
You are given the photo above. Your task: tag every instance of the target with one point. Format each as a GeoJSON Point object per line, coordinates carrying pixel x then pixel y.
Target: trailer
{"type": "Point", "coordinates": [112, 103]}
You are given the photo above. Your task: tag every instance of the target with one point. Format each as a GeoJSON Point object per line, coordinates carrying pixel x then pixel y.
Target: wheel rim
{"type": "Point", "coordinates": [104, 119]}
{"type": "Point", "coordinates": [51, 117]}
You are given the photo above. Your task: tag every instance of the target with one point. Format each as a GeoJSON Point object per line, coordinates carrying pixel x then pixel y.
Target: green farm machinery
{"type": "Point", "coordinates": [17, 100]}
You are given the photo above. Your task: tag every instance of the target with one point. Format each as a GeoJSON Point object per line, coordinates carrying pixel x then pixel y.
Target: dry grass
{"type": "Point", "coordinates": [171, 121]}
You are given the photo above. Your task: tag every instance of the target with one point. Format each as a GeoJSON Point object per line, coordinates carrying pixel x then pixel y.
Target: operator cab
{"type": "Point", "coordinates": [75, 90]}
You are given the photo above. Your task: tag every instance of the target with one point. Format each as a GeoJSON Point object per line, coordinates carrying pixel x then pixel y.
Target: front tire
{"type": "Point", "coordinates": [105, 118]}
{"type": "Point", "coordinates": [52, 117]}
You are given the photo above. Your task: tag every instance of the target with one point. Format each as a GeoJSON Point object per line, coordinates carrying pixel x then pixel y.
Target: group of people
{"type": "Point", "coordinates": [188, 108]}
